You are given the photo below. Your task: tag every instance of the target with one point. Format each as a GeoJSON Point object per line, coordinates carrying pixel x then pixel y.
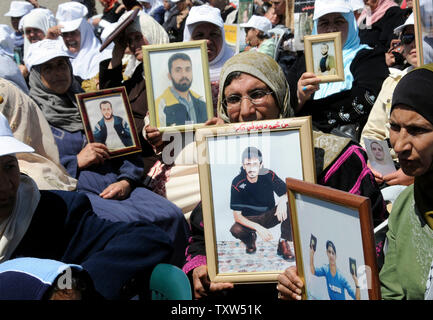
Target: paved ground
{"type": "Point", "coordinates": [50, 4]}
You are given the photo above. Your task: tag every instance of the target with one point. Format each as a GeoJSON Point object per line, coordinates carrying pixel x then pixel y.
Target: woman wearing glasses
{"type": "Point", "coordinates": [376, 126]}
{"type": "Point", "coordinates": [250, 92]}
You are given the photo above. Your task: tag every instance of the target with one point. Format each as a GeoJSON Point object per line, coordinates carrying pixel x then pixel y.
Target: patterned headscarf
{"type": "Point", "coordinates": [264, 68]}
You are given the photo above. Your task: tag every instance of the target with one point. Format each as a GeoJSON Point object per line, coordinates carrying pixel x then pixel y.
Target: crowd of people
{"type": "Point", "coordinates": [67, 205]}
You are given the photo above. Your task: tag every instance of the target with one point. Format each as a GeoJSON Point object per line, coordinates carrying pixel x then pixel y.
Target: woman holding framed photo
{"type": "Point", "coordinates": [113, 186]}
{"type": "Point", "coordinates": [339, 107]}
{"type": "Point", "coordinates": [406, 273]}
{"type": "Point", "coordinates": [143, 30]}
{"type": "Point", "coordinates": [340, 163]}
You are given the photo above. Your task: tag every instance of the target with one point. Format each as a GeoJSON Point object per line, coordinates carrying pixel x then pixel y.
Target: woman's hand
{"type": "Point", "coordinates": [24, 71]}
{"type": "Point", "coordinates": [398, 178]}
{"type": "Point", "coordinates": [54, 32]}
{"type": "Point", "coordinates": [203, 286]}
{"type": "Point", "coordinates": [377, 175]}
{"type": "Point", "coordinates": [214, 121]}
{"type": "Point", "coordinates": [289, 285]}
{"type": "Point", "coordinates": [307, 85]}
{"type": "Point", "coordinates": [92, 153]}
{"type": "Point", "coordinates": [154, 137]}
{"type": "Point", "coordinates": [119, 190]}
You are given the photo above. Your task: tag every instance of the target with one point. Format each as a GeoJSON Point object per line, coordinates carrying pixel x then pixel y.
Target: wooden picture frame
{"type": "Point", "coordinates": [303, 21]}
{"type": "Point", "coordinates": [326, 220]}
{"type": "Point", "coordinates": [287, 147]}
{"type": "Point", "coordinates": [423, 17]}
{"type": "Point", "coordinates": [332, 69]}
{"type": "Point", "coordinates": [119, 29]}
{"type": "Point", "coordinates": [161, 93]}
{"type": "Point", "coordinates": [245, 10]}
{"type": "Point", "coordinates": [93, 107]}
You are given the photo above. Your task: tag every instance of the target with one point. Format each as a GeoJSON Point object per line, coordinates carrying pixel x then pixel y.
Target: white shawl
{"type": "Point", "coordinates": [13, 229]}
{"type": "Point", "coordinates": [39, 18]}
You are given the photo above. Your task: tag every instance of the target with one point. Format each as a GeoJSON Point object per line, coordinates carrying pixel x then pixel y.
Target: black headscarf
{"type": "Point", "coordinates": [415, 90]}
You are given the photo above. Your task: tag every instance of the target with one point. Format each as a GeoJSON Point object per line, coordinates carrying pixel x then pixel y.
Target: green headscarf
{"type": "Point", "coordinates": [264, 68]}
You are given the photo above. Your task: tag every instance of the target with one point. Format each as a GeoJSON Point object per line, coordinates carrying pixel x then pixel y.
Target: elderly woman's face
{"type": "Point", "coordinates": [72, 40]}
{"type": "Point", "coordinates": [34, 34]}
{"type": "Point", "coordinates": [135, 42]}
{"type": "Point", "coordinates": [411, 136]}
{"type": "Point", "coordinates": [10, 180]}
{"type": "Point", "coordinates": [248, 86]}
{"type": "Point", "coordinates": [333, 22]}
{"type": "Point", "coordinates": [212, 34]}
{"type": "Point", "coordinates": [56, 75]}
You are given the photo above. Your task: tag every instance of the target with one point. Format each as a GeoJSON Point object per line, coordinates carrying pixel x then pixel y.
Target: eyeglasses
{"type": "Point", "coordinates": [407, 38]}
{"type": "Point", "coordinates": [256, 97]}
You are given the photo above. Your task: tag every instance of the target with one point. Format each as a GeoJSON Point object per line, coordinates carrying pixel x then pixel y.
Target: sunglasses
{"type": "Point", "coordinates": [407, 38]}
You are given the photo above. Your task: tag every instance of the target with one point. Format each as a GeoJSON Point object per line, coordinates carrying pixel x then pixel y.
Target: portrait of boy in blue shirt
{"type": "Point", "coordinates": [336, 283]}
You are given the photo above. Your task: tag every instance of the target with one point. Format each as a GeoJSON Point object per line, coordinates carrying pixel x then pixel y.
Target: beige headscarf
{"type": "Point", "coordinates": [149, 28]}
{"type": "Point", "coordinates": [29, 125]}
{"type": "Point", "coordinates": [264, 68]}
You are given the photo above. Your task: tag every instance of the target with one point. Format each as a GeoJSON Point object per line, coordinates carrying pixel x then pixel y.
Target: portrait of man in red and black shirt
{"type": "Point", "coordinates": [254, 207]}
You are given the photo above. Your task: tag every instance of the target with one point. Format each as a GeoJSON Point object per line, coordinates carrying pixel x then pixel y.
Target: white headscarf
{"type": "Point", "coordinates": [9, 70]}
{"type": "Point", "coordinates": [149, 28]}
{"type": "Point", "coordinates": [203, 14]}
{"type": "Point", "coordinates": [39, 18]}
{"type": "Point", "coordinates": [13, 229]}
{"type": "Point", "coordinates": [85, 63]}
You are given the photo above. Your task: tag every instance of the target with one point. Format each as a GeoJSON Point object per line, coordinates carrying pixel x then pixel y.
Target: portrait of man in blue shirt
{"type": "Point", "coordinates": [111, 130]}
{"type": "Point", "coordinates": [335, 281]}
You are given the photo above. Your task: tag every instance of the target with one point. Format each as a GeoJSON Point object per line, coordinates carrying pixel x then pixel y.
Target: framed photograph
{"type": "Point", "coordinates": [324, 56]}
{"type": "Point", "coordinates": [178, 88]}
{"type": "Point", "coordinates": [245, 11]}
{"type": "Point", "coordinates": [107, 118]}
{"type": "Point", "coordinates": [341, 265]}
{"type": "Point", "coordinates": [242, 168]}
{"type": "Point", "coordinates": [423, 14]}
{"type": "Point", "coordinates": [303, 21]}
{"type": "Point", "coordinates": [379, 156]}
